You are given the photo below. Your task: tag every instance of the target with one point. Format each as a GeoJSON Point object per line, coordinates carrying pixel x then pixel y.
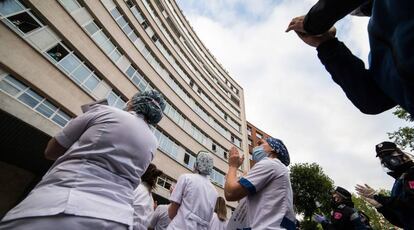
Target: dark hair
{"type": "Point", "coordinates": [150, 176]}
{"type": "Point", "coordinates": [221, 209]}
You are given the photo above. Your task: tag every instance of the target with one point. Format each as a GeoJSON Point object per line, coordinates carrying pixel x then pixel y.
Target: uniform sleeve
{"type": "Point", "coordinates": [261, 173]}
{"type": "Point", "coordinates": [325, 13]}
{"type": "Point", "coordinates": [75, 128]}
{"type": "Point", "coordinates": [177, 194]}
{"type": "Point", "coordinates": [155, 217]}
{"type": "Point", "coordinates": [402, 203]}
{"type": "Point", "coordinates": [349, 72]}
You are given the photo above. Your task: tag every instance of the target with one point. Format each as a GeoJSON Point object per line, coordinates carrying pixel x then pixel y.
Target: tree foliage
{"type": "Point", "coordinates": [377, 221]}
{"type": "Point", "coordinates": [310, 185]}
{"type": "Point", "coordinates": [404, 136]}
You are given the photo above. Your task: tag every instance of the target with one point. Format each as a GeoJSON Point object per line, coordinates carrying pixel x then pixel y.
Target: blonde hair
{"type": "Point", "coordinates": [221, 209]}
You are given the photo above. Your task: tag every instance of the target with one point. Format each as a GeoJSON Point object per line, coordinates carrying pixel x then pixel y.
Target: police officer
{"type": "Point", "coordinates": [398, 208]}
{"type": "Point", "coordinates": [344, 215]}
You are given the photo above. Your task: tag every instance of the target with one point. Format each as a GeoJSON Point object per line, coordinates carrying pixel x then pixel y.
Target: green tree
{"type": "Point", "coordinates": [376, 219]}
{"type": "Point", "coordinates": [311, 191]}
{"type": "Point", "coordinates": [404, 136]}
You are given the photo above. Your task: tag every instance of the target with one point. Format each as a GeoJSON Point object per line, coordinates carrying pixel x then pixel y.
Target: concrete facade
{"type": "Point", "coordinates": [69, 53]}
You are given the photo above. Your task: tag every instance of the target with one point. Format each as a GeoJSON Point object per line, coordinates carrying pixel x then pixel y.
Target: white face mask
{"type": "Point", "coordinates": [259, 153]}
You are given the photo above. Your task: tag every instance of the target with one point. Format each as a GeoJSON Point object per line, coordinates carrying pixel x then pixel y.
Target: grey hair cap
{"type": "Point", "coordinates": [204, 163]}
{"type": "Point", "coordinates": [150, 104]}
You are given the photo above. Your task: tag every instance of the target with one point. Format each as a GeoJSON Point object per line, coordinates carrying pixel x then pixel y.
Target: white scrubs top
{"type": "Point", "coordinates": [143, 207]}
{"type": "Point", "coordinates": [108, 151]}
{"type": "Point", "coordinates": [270, 199]}
{"type": "Point", "coordinates": [160, 219]}
{"type": "Point", "coordinates": [197, 198]}
{"type": "Point", "coordinates": [217, 224]}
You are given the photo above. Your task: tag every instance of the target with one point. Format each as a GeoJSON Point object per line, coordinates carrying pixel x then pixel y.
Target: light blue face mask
{"type": "Point", "coordinates": [258, 153]}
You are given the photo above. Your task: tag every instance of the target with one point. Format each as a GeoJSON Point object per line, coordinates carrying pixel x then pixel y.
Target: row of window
{"type": "Point", "coordinates": [147, 5]}
{"type": "Point", "coordinates": [192, 52]}
{"type": "Point", "coordinates": [104, 41]}
{"type": "Point", "coordinates": [141, 19]}
{"type": "Point", "coordinates": [14, 14]}
{"type": "Point", "coordinates": [31, 98]}
{"type": "Point", "coordinates": [119, 18]}
{"type": "Point", "coordinates": [194, 44]}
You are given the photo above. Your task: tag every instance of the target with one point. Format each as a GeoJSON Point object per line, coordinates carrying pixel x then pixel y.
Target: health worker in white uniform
{"type": "Point", "coordinates": [143, 202]}
{"type": "Point", "coordinates": [100, 157]}
{"type": "Point", "coordinates": [194, 197]}
{"type": "Point", "coordinates": [266, 186]}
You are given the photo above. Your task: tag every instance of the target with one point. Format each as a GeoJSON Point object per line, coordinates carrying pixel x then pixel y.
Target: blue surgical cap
{"type": "Point", "coordinates": [150, 104]}
{"type": "Point", "coordinates": [278, 146]}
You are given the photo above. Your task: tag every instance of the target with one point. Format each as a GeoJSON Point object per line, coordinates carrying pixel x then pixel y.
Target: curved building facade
{"type": "Point", "coordinates": [58, 55]}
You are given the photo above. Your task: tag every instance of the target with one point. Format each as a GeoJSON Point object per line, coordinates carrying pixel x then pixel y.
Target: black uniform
{"type": "Point", "coordinates": [398, 208]}
{"type": "Point", "coordinates": [344, 217]}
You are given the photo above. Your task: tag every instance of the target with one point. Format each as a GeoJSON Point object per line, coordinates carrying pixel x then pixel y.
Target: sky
{"type": "Point", "coordinates": [288, 93]}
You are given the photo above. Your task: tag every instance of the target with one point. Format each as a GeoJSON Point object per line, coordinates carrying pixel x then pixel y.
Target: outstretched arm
{"type": "Point", "coordinates": [349, 72]}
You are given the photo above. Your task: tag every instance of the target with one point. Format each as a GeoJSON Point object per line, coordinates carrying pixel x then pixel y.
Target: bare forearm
{"type": "Point", "coordinates": [54, 150]}
{"type": "Point", "coordinates": [231, 184]}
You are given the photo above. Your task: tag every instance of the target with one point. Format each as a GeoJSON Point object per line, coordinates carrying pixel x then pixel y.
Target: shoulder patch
{"type": "Point", "coordinates": [337, 215]}
{"type": "Point", "coordinates": [411, 184]}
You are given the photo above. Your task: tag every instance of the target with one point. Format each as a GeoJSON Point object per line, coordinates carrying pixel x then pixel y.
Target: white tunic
{"type": "Point", "coordinates": [217, 224]}
{"type": "Point", "coordinates": [197, 198]}
{"type": "Point", "coordinates": [160, 219]}
{"type": "Point", "coordinates": [143, 207]}
{"type": "Point", "coordinates": [108, 151]}
{"type": "Point", "coordinates": [270, 199]}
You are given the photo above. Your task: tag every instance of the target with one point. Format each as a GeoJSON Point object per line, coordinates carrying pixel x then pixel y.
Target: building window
{"type": "Point", "coordinates": [249, 131]}
{"type": "Point", "coordinates": [24, 22]}
{"type": "Point", "coordinates": [8, 7]}
{"type": "Point", "coordinates": [57, 53]}
{"type": "Point", "coordinates": [189, 160]}
{"type": "Point", "coordinates": [32, 99]}
{"type": "Point", "coordinates": [165, 181]}
{"type": "Point", "coordinates": [249, 141]}
{"type": "Point", "coordinates": [258, 135]}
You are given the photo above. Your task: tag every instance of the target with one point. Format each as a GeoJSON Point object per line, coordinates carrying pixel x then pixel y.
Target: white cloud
{"type": "Point", "coordinates": [288, 93]}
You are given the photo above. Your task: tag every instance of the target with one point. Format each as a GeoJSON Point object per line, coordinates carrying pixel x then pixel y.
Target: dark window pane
{"type": "Point", "coordinates": [59, 120]}
{"type": "Point", "coordinates": [7, 87]}
{"type": "Point", "coordinates": [24, 22]}
{"type": "Point", "coordinates": [43, 109]}
{"type": "Point", "coordinates": [28, 100]}
{"type": "Point", "coordinates": [186, 159]}
{"type": "Point", "coordinates": [34, 95]}
{"type": "Point", "coordinates": [57, 52]}
{"type": "Point", "coordinates": [15, 82]}
{"type": "Point", "coordinates": [64, 115]}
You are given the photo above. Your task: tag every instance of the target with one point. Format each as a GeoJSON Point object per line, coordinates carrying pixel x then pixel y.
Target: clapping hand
{"type": "Point", "coordinates": [367, 193]}
{"type": "Point", "coordinates": [319, 218]}
{"type": "Point", "coordinates": [234, 158]}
